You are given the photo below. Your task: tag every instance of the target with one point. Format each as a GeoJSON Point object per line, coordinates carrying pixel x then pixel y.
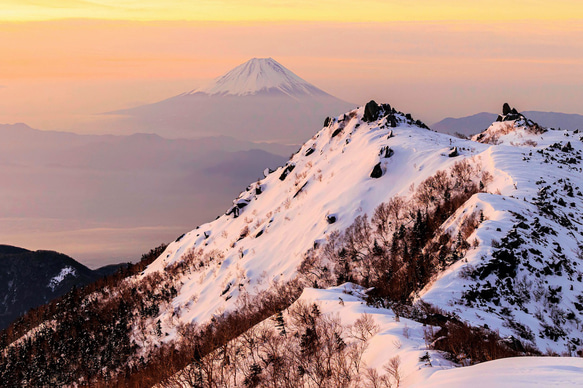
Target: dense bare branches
{"type": "Point", "coordinates": [403, 245]}
{"type": "Point", "coordinates": [316, 351]}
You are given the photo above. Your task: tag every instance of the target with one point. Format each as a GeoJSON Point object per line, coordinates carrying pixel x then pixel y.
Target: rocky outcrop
{"type": "Point", "coordinates": [289, 168]}
{"type": "Point", "coordinates": [377, 171]}
{"type": "Point", "coordinates": [371, 111]}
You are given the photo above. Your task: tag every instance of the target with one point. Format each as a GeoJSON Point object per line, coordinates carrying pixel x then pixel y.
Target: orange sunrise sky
{"type": "Point", "coordinates": [64, 62]}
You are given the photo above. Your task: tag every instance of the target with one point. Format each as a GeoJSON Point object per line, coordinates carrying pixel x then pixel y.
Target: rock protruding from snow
{"type": "Point", "coordinates": [511, 114]}
{"type": "Point", "coordinates": [371, 111]}
{"type": "Point", "coordinates": [260, 75]}
{"type": "Point", "coordinates": [510, 122]}
{"type": "Point", "coordinates": [377, 171]}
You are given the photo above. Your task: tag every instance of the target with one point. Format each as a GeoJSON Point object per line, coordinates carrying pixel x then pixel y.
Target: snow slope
{"type": "Point", "coordinates": [519, 372]}
{"type": "Point", "coordinates": [274, 229]}
{"type": "Point", "coordinates": [525, 277]}
{"type": "Point", "coordinates": [265, 235]}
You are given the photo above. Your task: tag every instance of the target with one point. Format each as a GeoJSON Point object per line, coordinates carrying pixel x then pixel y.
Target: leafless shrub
{"type": "Point", "coordinates": [364, 328]}
{"type": "Point", "coordinates": [393, 368]}
{"type": "Point", "coordinates": [244, 232]}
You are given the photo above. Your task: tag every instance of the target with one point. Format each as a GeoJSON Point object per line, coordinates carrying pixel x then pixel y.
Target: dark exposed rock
{"type": "Point", "coordinates": [386, 152]}
{"type": "Point", "coordinates": [377, 171]}
{"type": "Point", "coordinates": [309, 151]}
{"type": "Point", "coordinates": [258, 190]}
{"type": "Point", "coordinates": [421, 124]}
{"type": "Point", "coordinates": [327, 121]}
{"type": "Point", "coordinates": [390, 134]}
{"type": "Point", "coordinates": [289, 168]}
{"type": "Point", "coordinates": [331, 218]}
{"type": "Point", "coordinates": [453, 152]}
{"type": "Point", "coordinates": [513, 117]}
{"type": "Point", "coordinates": [242, 204]}
{"type": "Point", "coordinates": [371, 111]}
{"type": "Point", "coordinates": [301, 189]}
{"type": "Point", "coordinates": [514, 344]}
{"type": "Point", "coordinates": [336, 132]}
{"type": "Point", "coordinates": [234, 211]}
{"type": "Point", "coordinates": [392, 121]}
{"type": "Point", "coordinates": [511, 114]}
{"type": "Point", "coordinates": [506, 109]}
{"type": "Point", "coordinates": [567, 147]}
{"type": "Point", "coordinates": [409, 117]}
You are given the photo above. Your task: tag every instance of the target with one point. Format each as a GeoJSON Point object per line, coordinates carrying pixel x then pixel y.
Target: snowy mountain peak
{"type": "Point", "coordinates": [260, 75]}
{"type": "Point", "coordinates": [510, 126]}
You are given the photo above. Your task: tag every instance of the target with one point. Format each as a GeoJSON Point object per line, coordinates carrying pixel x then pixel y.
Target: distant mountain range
{"type": "Point", "coordinates": [107, 198]}
{"type": "Point", "coordinates": [259, 100]}
{"type": "Point", "coordinates": [32, 278]}
{"type": "Point", "coordinates": [470, 125]}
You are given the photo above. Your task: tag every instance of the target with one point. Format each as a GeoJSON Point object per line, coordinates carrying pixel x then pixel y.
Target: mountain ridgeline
{"type": "Point", "coordinates": [474, 124]}
{"type": "Point", "coordinates": [380, 249]}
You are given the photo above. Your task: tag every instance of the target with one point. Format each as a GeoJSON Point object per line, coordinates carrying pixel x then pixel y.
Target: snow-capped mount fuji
{"type": "Point", "coordinates": [260, 76]}
{"type": "Point", "coordinates": [259, 100]}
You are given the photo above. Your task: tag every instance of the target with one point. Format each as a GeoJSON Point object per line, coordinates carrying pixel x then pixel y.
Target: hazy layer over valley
{"type": "Point", "coordinates": [106, 199]}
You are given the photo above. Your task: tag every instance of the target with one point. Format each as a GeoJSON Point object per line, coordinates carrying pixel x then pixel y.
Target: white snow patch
{"type": "Point", "coordinates": [66, 271]}
{"type": "Point", "coordinates": [518, 372]}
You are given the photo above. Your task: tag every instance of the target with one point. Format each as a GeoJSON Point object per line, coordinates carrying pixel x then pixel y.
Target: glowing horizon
{"type": "Point", "coordinates": [301, 10]}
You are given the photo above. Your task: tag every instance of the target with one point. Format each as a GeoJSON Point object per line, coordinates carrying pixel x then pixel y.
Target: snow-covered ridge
{"type": "Point", "coordinates": [259, 75]}
{"type": "Point", "coordinates": [333, 178]}
{"type": "Point", "coordinates": [357, 161]}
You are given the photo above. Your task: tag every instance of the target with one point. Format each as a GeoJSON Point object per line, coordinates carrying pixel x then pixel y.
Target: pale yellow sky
{"type": "Point", "coordinates": [299, 10]}
{"type": "Point", "coordinates": [64, 61]}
